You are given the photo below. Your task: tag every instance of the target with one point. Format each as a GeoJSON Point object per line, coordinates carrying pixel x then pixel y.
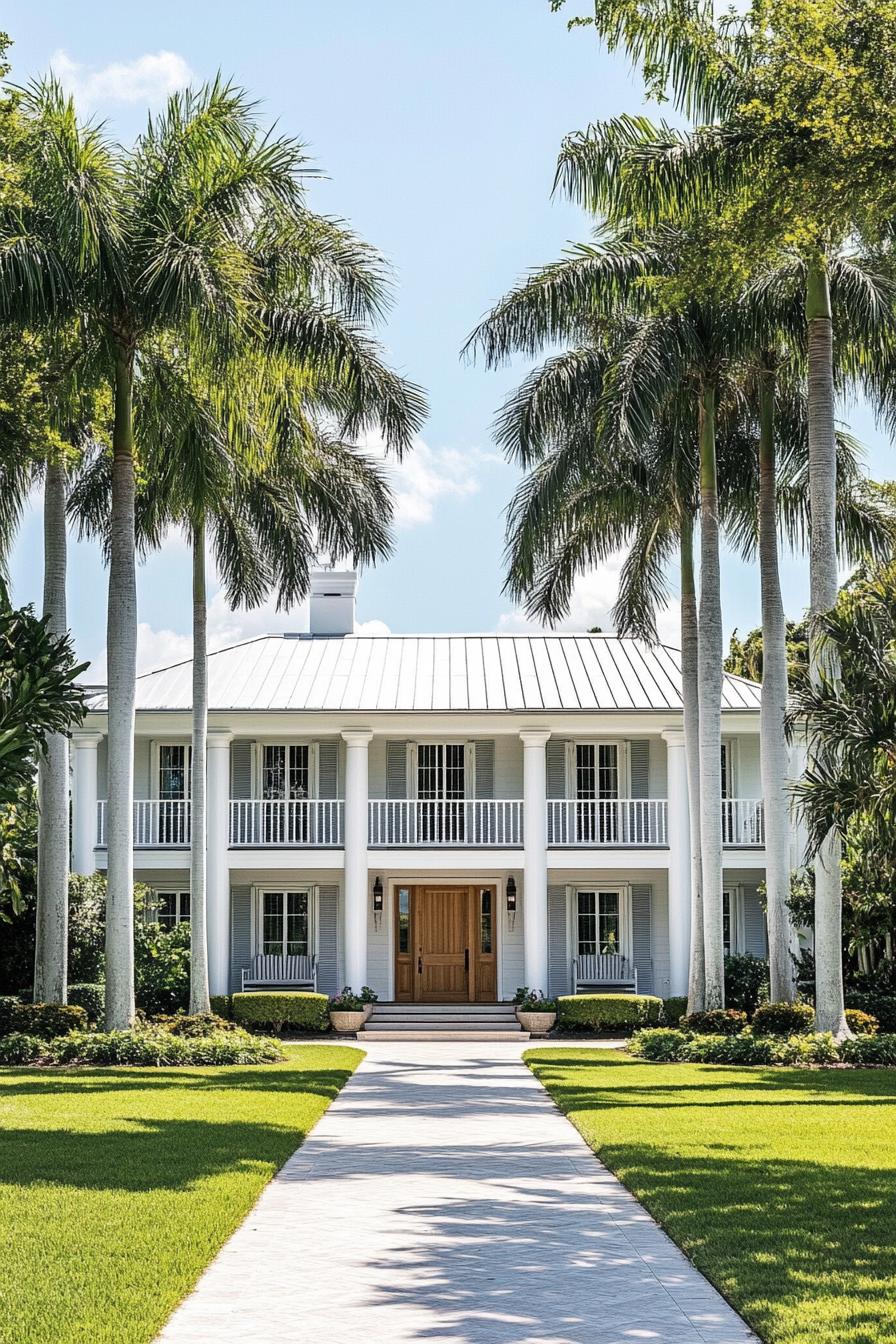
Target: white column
{"type": "Point", "coordinates": [535, 858]}
{"type": "Point", "coordinates": [84, 811]}
{"type": "Point", "coordinates": [679, 833]}
{"type": "Point", "coordinates": [356, 865]}
{"type": "Point", "coordinates": [217, 870]}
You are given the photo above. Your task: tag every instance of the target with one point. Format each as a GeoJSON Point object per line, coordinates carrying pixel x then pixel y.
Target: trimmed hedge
{"type": "Point", "coordinates": [715, 1022]}
{"type": "Point", "coordinates": [191, 1024]}
{"type": "Point", "coordinates": [17, 1048]}
{"type": "Point", "coordinates": [158, 1046]}
{"type": "Point", "coordinates": [47, 1020]}
{"type": "Point", "coordinates": [665, 1045]}
{"type": "Point", "coordinates": [8, 1005]}
{"type": "Point", "coordinates": [608, 1012]}
{"type": "Point", "coordinates": [92, 998]}
{"type": "Point", "coordinates": [221, 1005]}
{"type": "Point", "coordinates": [674, 1009]}
{"type": "Point", "coordinates": [881, 1006]}
{"type": "Point", "coordinates": [282, 1008]}
{"type": "Point", "coordinates": [783, 1019]}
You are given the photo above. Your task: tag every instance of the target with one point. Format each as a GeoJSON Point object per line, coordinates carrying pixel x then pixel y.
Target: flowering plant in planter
{"type": "Point", "coordinates": [529, 1000]}
{"type": "Point", "coordinates": [348, 1011]}
{"type": "Point", "coordinates": [347, 1002]}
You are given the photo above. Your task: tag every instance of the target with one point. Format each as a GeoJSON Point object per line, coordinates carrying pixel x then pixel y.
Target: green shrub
{"type": "Point", "coordinates": [861, 1024]}
{"type": "Point", "coordinates": [742, 1049]}
{"type": "Point", "coordinates": [608, 1012]}
{"type": "Point", "coordinates": [869, 1050]}
{"type": "Point", "coordinates": [221, 1005]}
{"type": "Point", "coordinates": [674, 1009]}
{"type": "Point", "coordinates": [92, 998]}
{"type": "Point", "coordinates": [47, 1020]}
{"type": "Point", "coordinates": [746, 982]}
{"type": "Point", "coordinates": [155, 1046]}
{"type": "Point", "coordinates": [17, 1048]}
{"type": "Point", "coordinates": [715, 1022]}
{"type": "Point", "coordinates": [783, 1019]}
{"type": "Point", "coordinates": [661, 1044]}
{"type": "Point", "coordinates": [9, 1004]}
{"type": "Point", "coordinates": [162, 967]}
{"type": "Point", "coordinates": [190, 1024]}
{"type": "Point", "coordinates": [282, 1008]}
{"type": "Point", "coordinates": [881, 1006]}
{"type": "Point", "coordinates": [819, 1047]}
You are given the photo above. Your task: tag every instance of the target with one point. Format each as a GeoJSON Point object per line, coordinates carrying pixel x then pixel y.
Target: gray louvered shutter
{"type": "Point", "coordinates": [639, 768]}
{"type": "Point", "coordinates": [555, 754]}
{"type": "Point", "coordinates": [755, 939]}
{"type": "Point", "coordinates": [240, 935]}
{"type": "Point", "coordinates": [396, 769]}
{"type": "Point", "coordinates": [328, 768]}
{"type": "Point", "coordinates": [485, 769]}
{"type": "Point", "coordinates": [558, 962]}
{"type": "Point", "coordinates": [641, 938]}
{"type": "Point", "coordinates": [328, 940]}
{"type": "Point", "coordinates": [241, 769]}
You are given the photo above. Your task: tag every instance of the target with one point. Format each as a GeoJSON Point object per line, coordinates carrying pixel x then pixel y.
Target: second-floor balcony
{"type": "Point", "coordinates": [414, 823]}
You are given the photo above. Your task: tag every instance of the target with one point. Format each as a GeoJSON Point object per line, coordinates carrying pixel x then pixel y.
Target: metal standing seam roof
{"type": "Point", "coordinates": [436, 673]}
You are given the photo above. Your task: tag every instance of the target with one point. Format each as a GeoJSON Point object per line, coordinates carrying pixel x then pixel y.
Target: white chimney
{"type": "Point", "coordinates": [333, 602]}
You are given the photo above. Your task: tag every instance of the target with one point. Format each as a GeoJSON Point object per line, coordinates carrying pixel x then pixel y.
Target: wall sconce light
{"type": "Point", "coordinates": [377, 901]}
{"type": "Point", "coordinates": [510, 893]}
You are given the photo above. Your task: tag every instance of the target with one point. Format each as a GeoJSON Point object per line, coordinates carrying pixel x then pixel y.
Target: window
{"type": "Point", "coordinates": [284, 923]}
{"type": "Point", "coordinates": [730, 940]}
{"type": "Point", "coordinates": [599, 923]}
{"type": "Point", "coordinates": [597, 785]}
{"type": "Point", "coordinates": [441, 789]}
{"type": "Point", "coordinates": [286, 787]}
{"type": "Point", "coordinates": [485, 921]}
{"type": "Point", "coordinates": [172, 908]}
{"type": "Point", "coordinates": [404, 919]}
{"type": "Point", "coordinates": [174, 791]}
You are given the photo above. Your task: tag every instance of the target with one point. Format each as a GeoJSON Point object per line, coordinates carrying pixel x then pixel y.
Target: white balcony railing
{"type": "Point", "coordinates": [158, 823]}
{"type": "Point", "coordinates": [743, 821]}
{"type": "Point", "coordinates": [298, 823]}
{"type": "Point", "coordinates": [465, 823]}
{"type": "Point", "coordinates": [608, 822]}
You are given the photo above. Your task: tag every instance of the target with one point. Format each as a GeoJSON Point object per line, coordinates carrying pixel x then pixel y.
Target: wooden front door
{"type": "Point", "coordinates": [445, 945]}
{"type": "Point", "coordinates": [442, 929]}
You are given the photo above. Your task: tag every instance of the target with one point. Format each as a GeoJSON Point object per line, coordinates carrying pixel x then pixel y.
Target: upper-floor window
{"type": "Point", "coordinates": [174, 771]}
{"type": "Point", "coordinates": [286, 771]}
{"type": "Point", "coordinates": [596, 789]}
{"type": "Point", "coordinates": [441, 789]}
{"type": "Point", "coordinates": [727, 764]}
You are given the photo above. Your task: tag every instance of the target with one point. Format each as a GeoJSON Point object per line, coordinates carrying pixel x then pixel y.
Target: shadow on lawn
{"type": "Point", "coordinates": [260, 1078]}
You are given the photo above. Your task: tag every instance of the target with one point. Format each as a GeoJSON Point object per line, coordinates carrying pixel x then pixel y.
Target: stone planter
{"type": "Point", "coordinates": [537, 1024]}
{"type": "Point", "coordinates": [368, 1009]}
{"type": "Point", "coordinates": [347, 1023]}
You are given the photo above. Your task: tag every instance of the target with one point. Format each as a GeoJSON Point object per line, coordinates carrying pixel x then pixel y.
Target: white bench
{"type": "Point", "coordinates": [610, 972]}
{"type": "Point", "coordinates": [270, 971]}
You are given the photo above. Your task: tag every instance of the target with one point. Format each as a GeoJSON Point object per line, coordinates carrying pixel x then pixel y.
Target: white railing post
{"type": "Point", "coordinates": [84, 800]}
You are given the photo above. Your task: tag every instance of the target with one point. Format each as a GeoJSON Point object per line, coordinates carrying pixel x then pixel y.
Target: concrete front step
{"type": "Point", "coordinates": [366, 1034]}
{"type": "Point", "coordinates": [449, 1024]}
{"type": "Point", "coordinates": [442, 1021]}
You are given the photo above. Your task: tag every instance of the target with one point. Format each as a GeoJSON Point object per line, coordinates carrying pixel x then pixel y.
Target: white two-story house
{"type": "Point", "coordinates": [442, 817]}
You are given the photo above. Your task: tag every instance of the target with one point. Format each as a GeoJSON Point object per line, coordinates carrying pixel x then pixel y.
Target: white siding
{"type": "Point", "coordinates": [376, 768]}
{"type": "Point", "coordinates": [658, 776]}
{"type": "Point", "coordinates": [659, 912]}
{"type": "Point", "coordinates": [143, 781]}
{"type": "Point", "coordinates": [508, 767]}
{"type": "Point", "coordinates": [510, 946]}
{"type": "Point", "coordinates": [378, 942]}
{"type": "Point", "coordinates": [747, 778]}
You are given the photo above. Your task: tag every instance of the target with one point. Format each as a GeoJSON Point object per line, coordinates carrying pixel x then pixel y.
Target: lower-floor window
{"type": "Point", "coordinates": [172, 907]}
{"type": "Point", "coordinates": [729, 923]}
{"type": "Point", "coordinates": [284, 923]}
{"type": "Point", "coordinates": [598, 918]}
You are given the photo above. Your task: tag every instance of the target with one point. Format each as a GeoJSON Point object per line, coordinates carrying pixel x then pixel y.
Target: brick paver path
{"type": "Point", "coordinates": [443, 1198]}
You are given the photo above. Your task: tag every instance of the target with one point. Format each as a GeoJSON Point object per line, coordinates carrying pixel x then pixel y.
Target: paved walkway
{"type": "Point", "coordinates": [443, 1198]}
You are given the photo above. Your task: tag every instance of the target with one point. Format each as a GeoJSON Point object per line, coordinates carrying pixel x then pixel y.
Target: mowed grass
{"type": "Point", "coordinates": [117, 1186]}
{"type": "Point", "coordinates": [779, 1183]}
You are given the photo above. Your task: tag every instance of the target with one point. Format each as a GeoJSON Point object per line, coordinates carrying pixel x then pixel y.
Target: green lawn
{"type": "Point", "coordinates": [779, 1183]}
{"type": "Point", "coordinates": [117, 1186]}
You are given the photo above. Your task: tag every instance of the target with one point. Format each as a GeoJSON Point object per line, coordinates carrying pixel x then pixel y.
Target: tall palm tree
{"type": "Point", "coordinates": [173, 254]}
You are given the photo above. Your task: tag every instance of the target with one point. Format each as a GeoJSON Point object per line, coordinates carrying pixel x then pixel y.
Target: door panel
{"type": "Point", "coordinates": [442, 935]}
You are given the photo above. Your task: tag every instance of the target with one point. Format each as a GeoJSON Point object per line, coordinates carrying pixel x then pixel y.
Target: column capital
{"type": "Point", "coordinates": [87, 738]}
{"type": "Point", "coordinates": [357, 737]}
{"type": "Point", "coordinates": [535, 736]}
{"type": "Point", "coordinates": [218, 737]}
{"type": "Point", "coordinates": [673, 737]}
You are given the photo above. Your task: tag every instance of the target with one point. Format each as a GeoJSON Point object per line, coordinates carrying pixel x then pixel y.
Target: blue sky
{"type": "Point", "coordinates": [437, 127]}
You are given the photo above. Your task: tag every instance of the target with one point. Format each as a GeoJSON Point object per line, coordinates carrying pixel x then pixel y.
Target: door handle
{"type": "Point", "coordinates": [466, 961]}
{"type": "Point", "coordinates": [419, 965]}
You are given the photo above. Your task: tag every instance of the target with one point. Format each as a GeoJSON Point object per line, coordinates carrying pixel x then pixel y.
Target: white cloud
{"type": "Point", "coordinates": [593, 597]}
{"type": "Point", "coordinates": [147, 79]}
{"type": "Point", "coordinates": [427, 475]}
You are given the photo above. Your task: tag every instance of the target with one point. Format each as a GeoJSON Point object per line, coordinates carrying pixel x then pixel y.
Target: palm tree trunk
{"type": "Point", "coordinates": [121, 640]}
{"type": "Point", "coordinates": [691, 705]}
{"type": "Point", "coordinates": [829, 1006]}
{"type": "Point", "coordinates": [199, 1000]}
{"type": "Point", "coordinates": [709, 681]}
{"type": "Point", "coordinates": [51, 951]}
{"type": "Point", "coordinates": [774, 755]}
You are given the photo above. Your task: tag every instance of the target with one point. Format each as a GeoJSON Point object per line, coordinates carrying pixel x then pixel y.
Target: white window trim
{"type": "Point", "coordinates": [256, 924]}
{"type": "Point", "coordinates": [731, 764]}
{"type": "Point", "coordinates": [179, 893]}
{"type": "Point", "coordinates": [286, 742]}
{"type": "Point", "coordinates": [469, 762]}
{"type": "Point", "coordinates": [626, 919]}
{"type": "Point", "coordinates": [622, 765]}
